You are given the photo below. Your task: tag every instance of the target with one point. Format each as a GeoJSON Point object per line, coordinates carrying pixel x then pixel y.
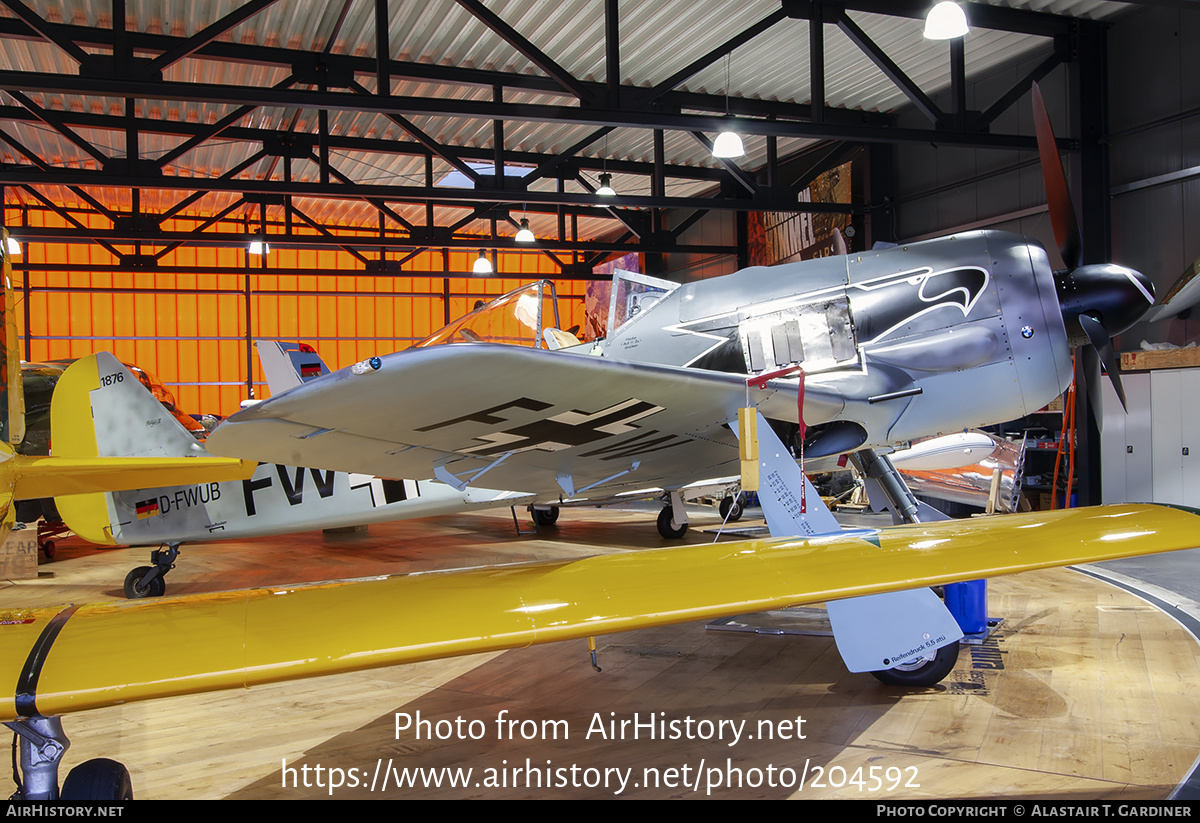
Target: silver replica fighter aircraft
{"type": "Point", "coordinates": [890, 345]}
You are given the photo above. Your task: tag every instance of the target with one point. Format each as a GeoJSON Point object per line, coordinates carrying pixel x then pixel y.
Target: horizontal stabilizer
{"type": "Point", "coordinates": [108, 433]}
{"type": "Point", "coordinates": [55, 476]}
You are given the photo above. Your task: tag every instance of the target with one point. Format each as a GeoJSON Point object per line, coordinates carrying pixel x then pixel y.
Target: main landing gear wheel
{"type": "Point", "coordinates": [730, 509]}
{"type": "Point", "coordinates": [135, 589]}
{"type": "Point", "coordinates": [665, 526]}
{"type": "Point", "coordinates": [928, 670]}
{"type": "Point", "coordinates": [100, 779]}
{"type": "Point", "coordinates": [546, 517]}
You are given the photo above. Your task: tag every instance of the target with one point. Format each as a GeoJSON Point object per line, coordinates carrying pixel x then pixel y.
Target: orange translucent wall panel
{"type": "Point", "coordinates": [194, 330]}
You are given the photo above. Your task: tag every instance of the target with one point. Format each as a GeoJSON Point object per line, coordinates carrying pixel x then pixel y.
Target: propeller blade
{"type": "Point", "coordinates": [1058, 197]}
{"type": "Point", "coordinates": [1102, 352]}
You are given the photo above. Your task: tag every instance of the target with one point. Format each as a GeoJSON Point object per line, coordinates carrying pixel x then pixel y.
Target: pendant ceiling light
{"type": "Point", "coordinates": [728, 144]}
{"type": "Point", "coordinates": [524, 235]}
{"type": "Point", "coordinates": [945, 21]}
{"type": "Point", "coordinates": [606, 189]}
{"type": "Point", "coordinates": [482, 264]}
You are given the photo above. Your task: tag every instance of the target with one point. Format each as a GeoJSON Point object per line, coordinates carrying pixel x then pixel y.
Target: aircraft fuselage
{"type": "Point", "coordinates": [895, 344]}
{"type": "Point", "coordinates": [275, 500]}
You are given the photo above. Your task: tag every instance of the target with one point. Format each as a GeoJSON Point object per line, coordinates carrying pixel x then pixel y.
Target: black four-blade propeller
{"type": "Point", "coordinates": [1097, 300]}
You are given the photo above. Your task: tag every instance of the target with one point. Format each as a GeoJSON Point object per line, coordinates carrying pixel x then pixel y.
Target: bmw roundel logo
{"type": "Point", "coordinates": [1027, 332]}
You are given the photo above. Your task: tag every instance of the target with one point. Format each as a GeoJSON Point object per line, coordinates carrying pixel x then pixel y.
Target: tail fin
{"type": "Point", "coordinates": [83, 462]}
{"type": "Point", "coordinates": [101, 410]}
{"type": "Point", "coordinates": [287, 365]}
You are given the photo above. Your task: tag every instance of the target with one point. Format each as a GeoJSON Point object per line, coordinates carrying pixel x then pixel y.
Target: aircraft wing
{"type": "Point", "coordinates": [73, 658]}
{"type": "Point", "coordinates": [507, 417]}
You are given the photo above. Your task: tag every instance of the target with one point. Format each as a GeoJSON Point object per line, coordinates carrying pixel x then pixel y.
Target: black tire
{"type": "Point", "coordinates": [731, 509]}
{"type": "Point", "coordinates": [135, 591]}
{"type": "Point", "coordinates": [665, 528]}
{"type": "Point", "coordinates": [100, 779]}
{"type": "Point", "coordinates": [48, 549]}
{"type": "Point", "coordinates": [546, 517]}
{"type": "Point", "coordinates": [924, 673]}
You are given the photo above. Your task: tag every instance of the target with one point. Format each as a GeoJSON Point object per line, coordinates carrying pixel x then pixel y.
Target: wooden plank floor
{"type": "Point", "coordinates": [1087, 693]}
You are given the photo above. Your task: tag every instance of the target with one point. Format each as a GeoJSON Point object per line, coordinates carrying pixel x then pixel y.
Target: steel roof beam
{"type": "Point", "coordinates": [377, 203]}
{"type": "Point", "coordinates": [212, 131]}
{"type": "Point", "coordinates": [425, 72]}
{"type": "Point", "coordinates": [54, 121]}
{"type": "Point", "coordinates": [890, 70]}
{"type": "Point", "coordinates": [198, 230]}
{"type": "Point", "coordinates": [417, 194]}
{"type": "Point", "coordinates": [542, 162]}
{"type": "Point", "coordinates": [424, 139]}
{"type": "Point", "coordinates": [229, 175]}
{"type": "Point", "coordinates": [327, 233]}
{"type": "Point", "coordinates": [45, 30]}
{"type": "Point", "coordinates": [41, 164]}
{"type": "Point", "coordinates": [701, 63]}
{"type": "Point", "coordinates": [532, 52]}
{"type": "Point", "coordinates": [85, 234]}
{"type": "Point", "coordinates": [489, 110]}
{"type": "Point", "coordinates": [326, 239]}
{"type": "Point", "coordinates": [1022, 87]}
{"type": "Point", "coordinates": [206, 35]}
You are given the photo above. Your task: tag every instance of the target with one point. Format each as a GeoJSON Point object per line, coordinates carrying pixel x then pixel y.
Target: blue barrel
{"type": "Point", "coordinates": [968, 603]}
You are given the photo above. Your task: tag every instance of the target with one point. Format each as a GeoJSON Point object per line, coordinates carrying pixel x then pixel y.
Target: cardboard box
{"type": "Point", "coordinates": [19, 555]}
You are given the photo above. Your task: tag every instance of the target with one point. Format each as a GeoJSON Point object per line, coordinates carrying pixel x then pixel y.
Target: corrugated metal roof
{"type": "Point", "coordinates": [657, 39]}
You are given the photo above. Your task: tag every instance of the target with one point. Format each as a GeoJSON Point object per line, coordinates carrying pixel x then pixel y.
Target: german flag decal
{"type": "Point", "coordinates": [310, 370]}
{"type": "Point", "coordinates": [147, 508]}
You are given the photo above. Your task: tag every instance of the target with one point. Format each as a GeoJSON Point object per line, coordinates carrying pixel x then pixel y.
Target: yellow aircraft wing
{"type": "Point", "coordinates": [78, 657]}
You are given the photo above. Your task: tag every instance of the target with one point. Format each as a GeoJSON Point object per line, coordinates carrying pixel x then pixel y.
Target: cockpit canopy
{"type": "Point", "coordinates": [526, 316]}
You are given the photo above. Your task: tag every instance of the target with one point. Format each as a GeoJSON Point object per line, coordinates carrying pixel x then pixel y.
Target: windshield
{"type": "Point", "coordinates": [520, 318]}
{"type": "Point", "coordinates": [633, 293]}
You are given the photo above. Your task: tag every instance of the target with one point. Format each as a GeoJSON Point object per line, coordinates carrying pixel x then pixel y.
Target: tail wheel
{"type": "Point", "coordinates": [136, 590]}
{"type": "Point", "coordinates": [100, 779]}
{"type": "Point", "coordinates": [928, 670]}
